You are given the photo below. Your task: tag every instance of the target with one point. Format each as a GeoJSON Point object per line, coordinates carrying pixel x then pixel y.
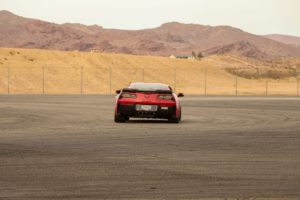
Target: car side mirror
{"type": "Point", "coordinates": [118, 91]}
{"type": "Point", "coordinates": [180, 95]}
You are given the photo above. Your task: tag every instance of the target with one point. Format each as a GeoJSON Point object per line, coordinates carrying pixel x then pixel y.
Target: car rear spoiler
{"type": "Point", "coordinates": [129, 90]}
{"type": "Point", "coordinates": [164, 91]}
{"type": "Point", "coordinates": [156, 91]}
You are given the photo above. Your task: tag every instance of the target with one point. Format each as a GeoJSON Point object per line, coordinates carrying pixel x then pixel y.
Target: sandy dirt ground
{"type": "Point", "coordinates": [68, 147]}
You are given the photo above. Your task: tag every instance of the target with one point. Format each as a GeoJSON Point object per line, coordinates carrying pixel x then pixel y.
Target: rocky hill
{"type": "Point", "coordinates": [169, 38]}
{"type": "Point", "coordinates": [286, 39]}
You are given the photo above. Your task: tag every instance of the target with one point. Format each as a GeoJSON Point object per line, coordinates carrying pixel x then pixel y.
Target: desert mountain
{"type": "Point", "coordinates": [169, 38]}
{"type": "Point", "coordinates": [286, 39]}
{"type": "Point", "coordinates": [239, 48]}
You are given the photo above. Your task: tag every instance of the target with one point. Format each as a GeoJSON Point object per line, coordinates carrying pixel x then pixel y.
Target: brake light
{"type": "Point", "coordinates": [128, 95]}
{"type": "Point", "coordinates": [165, 97]}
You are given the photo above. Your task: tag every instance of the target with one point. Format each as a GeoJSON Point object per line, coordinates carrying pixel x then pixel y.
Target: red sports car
{"type": "Point", "coordinates": [147, 100]}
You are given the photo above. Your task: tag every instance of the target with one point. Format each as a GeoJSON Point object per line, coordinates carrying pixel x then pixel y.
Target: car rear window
{"type": "Point", "coordinates": [151, 87]}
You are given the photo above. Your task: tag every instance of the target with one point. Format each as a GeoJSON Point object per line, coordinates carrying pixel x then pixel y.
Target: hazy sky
{"type": "Point", "coordinates": [255, 16]}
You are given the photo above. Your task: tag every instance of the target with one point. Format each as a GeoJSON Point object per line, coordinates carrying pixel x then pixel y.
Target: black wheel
{"type": "Point", "coordinates": [175, 119]}
{"type": "Point", "coordinates": [120, 118]}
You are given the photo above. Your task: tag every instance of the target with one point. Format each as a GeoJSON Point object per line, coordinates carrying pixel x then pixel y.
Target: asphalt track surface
{"type": "Point", "coordinates": [68, 147]}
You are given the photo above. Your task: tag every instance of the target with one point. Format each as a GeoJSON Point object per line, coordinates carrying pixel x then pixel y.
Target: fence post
{"type": "Point", "coordinates": [297, 77]}
{"type": "Point", "coordinates": [175, 79]}
{"type": "Point", "coordinates": [110, 76]}
{"type": "Point", "coordinates": [266, 87]}
{"type": "Point", "coordinates": [8, 79]}
{"type": "Point", "coordinates": [236, 85]}
{"type": "Point", "coordinates": [297, 86]}
{"type": "Point", "coordinates": [143, 74]}
{"type": "Point", "coordinates": [81, 81]}
{"type": "Point", "coordinates": [205, 73]}
{"type": "Point", "coordinates": [43, 71]}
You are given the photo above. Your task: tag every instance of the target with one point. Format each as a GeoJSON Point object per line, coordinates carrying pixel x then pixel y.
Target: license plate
{"type": "Point", "coordinates": [146, 107]}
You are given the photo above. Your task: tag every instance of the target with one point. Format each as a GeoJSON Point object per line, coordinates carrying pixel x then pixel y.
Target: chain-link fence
{"type": "Point", "coordinates": [105, 80]}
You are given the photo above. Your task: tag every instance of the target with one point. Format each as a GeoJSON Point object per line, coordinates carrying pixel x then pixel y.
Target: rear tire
{"type": "Point", "coordinates": [120, 118]}
{"type": "Point", "coordinates": [175, 119]}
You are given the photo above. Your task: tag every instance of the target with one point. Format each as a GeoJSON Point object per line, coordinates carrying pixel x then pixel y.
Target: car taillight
{"type": "Point", "coordinates": [165, 97]}
{"type": "Point", "coordinates": [128, 95]}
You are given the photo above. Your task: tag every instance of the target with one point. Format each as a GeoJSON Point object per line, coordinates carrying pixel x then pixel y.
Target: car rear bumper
{"type": "Point", "coordinates": [163, 112]}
